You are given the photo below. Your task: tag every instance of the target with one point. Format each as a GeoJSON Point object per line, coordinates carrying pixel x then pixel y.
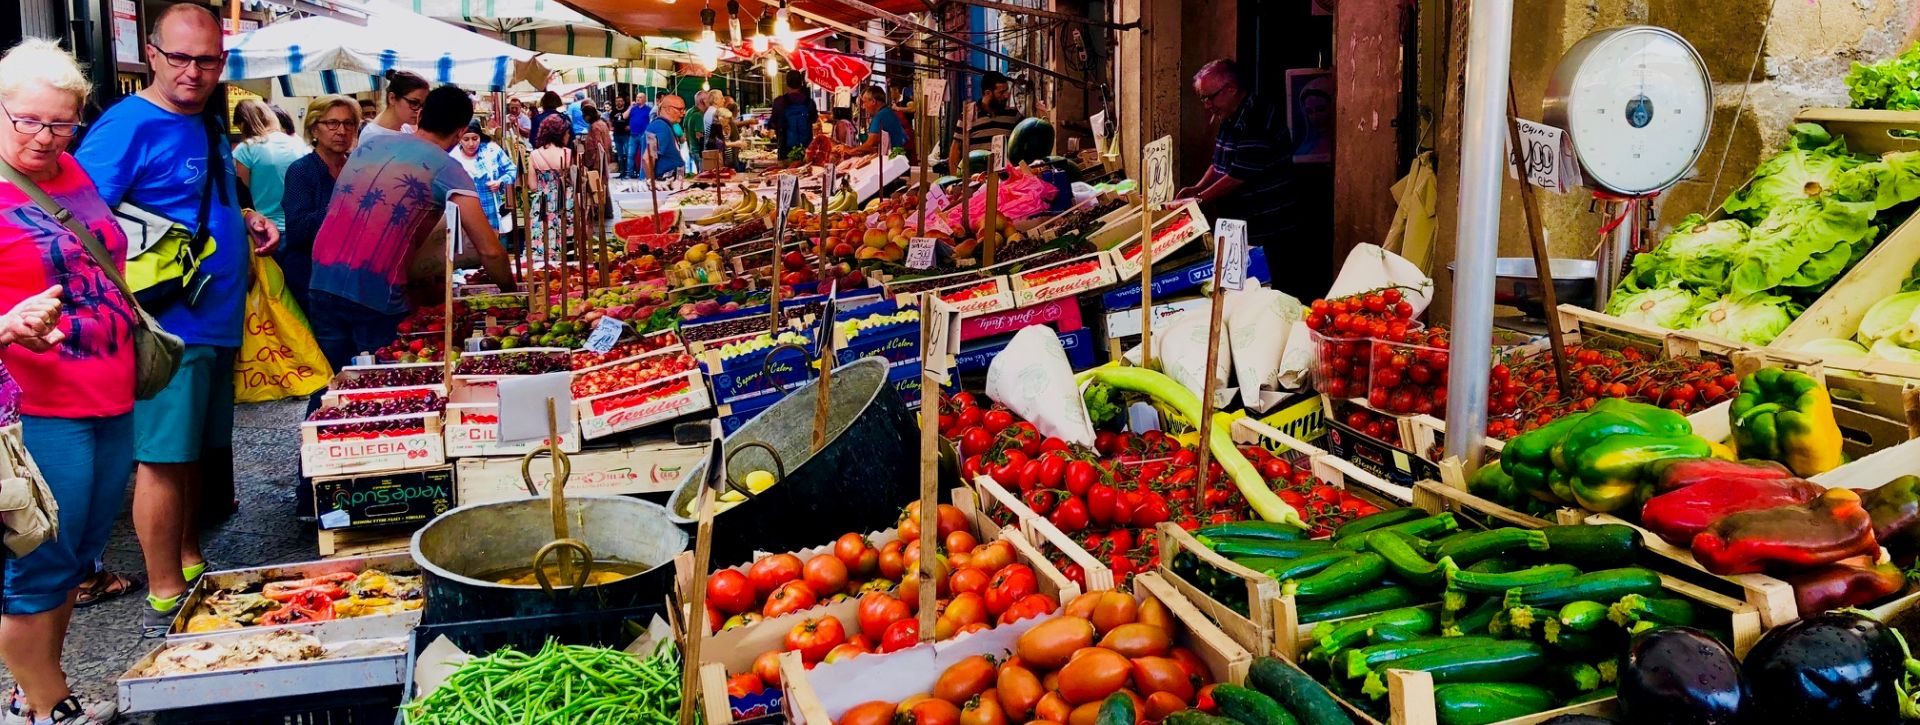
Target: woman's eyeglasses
{"type": "Point", "coordinates": [32, 127]}
{"type": "Point", "coordinates": [334, 124]}
{"type": "Point", "coordinates": [411, 103]}
{"type": "Point", "coordinates": [182, 60]}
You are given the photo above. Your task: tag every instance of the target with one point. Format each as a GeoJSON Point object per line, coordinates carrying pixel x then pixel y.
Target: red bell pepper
{"type": "Point", "coordinates": [1842, 585]}
{"type": "Point", "coordinates": [306, 605]}
{"type": "Point", "coordinates": [1822, 531]}
{"type": "Point", "coordinates": [328, 584]}
{"type": "Point", "coordinates": [1692, 471]}
{"type": "Point", "coordinates": [1680, 514]}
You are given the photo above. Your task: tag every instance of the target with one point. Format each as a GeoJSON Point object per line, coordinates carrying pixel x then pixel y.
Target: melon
{"type": "Point", "coordinates": [1032, 139]}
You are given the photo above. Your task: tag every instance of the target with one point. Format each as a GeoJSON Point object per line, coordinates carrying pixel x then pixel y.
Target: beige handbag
{"type": "Point", "coordinates": [28, 513]}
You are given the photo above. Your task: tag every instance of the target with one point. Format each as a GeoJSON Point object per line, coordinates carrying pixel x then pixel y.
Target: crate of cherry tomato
{"type": "Point", "coordinates": [1146, 643]}
{"type": "Point", "coordinates": [859, 594]}
{"type": "Point", "coordinates": [398, 431]}
{"type": "Point", "coordinates": [1172, 230]}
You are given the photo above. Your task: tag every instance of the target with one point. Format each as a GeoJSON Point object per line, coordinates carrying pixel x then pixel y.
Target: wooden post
{"type": "Point", "coordinates": [1542, 263]}
{"type": "Point", "coordinates": [696, 629]}
{"type": "Point", "coordinates": [990, 231]}
{"type": "Point", "coordinates": [921, 144]}
{"type": "Point", "coordinates": [446, 314]}
{"type": "Point", "coordinates": [966, 178]}
{"type": "Point", "coordinates": [820, 251]}
{"type": "Point", "coordinates": [929, 465]}
{"type": "Point", "coordinates": [1146, 279]}
{"type": "Point", "coordinates": [1217, 300]}
{"type": "Point", "coordinates": [822, 403]}
{"type": "Point", "coordinates": [773, 299]}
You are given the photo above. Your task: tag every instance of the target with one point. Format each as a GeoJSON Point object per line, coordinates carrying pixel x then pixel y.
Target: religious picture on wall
{"type": "Point", "coordinates": [1310, 114]}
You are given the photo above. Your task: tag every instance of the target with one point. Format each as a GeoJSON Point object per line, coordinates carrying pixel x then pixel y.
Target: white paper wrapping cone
{"type": "Point", "coordinates": [1033, 379]}
{"type": "Point", "coordinates": [1369, 267]}
{"type": "Point", "coordinates": [1258, 325]}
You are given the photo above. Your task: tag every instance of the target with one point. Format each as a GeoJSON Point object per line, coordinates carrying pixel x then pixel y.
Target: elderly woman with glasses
{"type": "Point", "coordinates": [332, 127]}
{"type": "Point", "coordinates": [75, 378]}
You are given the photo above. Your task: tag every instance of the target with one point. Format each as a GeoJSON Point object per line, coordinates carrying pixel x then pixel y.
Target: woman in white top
{"type": "Point", "coordinates": [406, 93]}
{"type": "Point", "coordinates": [263, 156]}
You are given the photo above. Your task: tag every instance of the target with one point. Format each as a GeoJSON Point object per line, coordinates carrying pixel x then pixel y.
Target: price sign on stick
{"type": "Point", "coordinates": [920, 253]}
{"type": "Point", "coordinates": [999, 151]}
{"type": "Point", "coordinates": [933, 95]}
{"type": "Point", "coordinates": [939, 323]}
{"type": "Point", "coordinates": [1157, 167]}
{"type": "Point", "coordinates": [606, 332]}
{"type": "Point", "coordinates": [1099, 123]}
{"type": "Point", "coordinates": [941, 343]}
{"type": "Point", "coordinates": [1230, 242]}
{"type": "Point", "coordinates": [523, 404]}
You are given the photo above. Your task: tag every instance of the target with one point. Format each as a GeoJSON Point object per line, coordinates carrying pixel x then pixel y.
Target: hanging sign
{"type": "Point", "coordinates": [1230, 235]}
{"type": "Point", "coordinates": [920, 253]}
{"type": "Point", "coordinates": [1157, 170]}
{"type": "Point", "coordinates": [1099, 123]}
{"type": "Point", "coordinates": [1549, 156]}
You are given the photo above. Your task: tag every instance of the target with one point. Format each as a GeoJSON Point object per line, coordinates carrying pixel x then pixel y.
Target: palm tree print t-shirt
{"type": "Point", "coordinates": [385, 203]}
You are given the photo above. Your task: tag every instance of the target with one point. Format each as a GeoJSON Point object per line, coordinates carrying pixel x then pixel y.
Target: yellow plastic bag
{"type": "Point", "coordinates": [278, 355]}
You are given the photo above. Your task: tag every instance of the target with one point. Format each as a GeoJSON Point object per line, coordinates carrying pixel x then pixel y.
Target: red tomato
{"type": "Point", "coordinates": [1053, 470]}
{"type": "Point", "coordinates": [1007, 469]}
{"type": "Point", "coordinates": [1032, 605]}
{"type": "Point", "coordinates": [1029, 477]}
{"type": "Point", "coordinates": [1010, 585]}
{"type": "Point", "coordinates": [790, 597]}
{"type": "Point", "coordinates": [992, 557]}
{"type": "Point", "coordinates": [966, 608]}
{"type": "Point", "coordinates": [900, 635]}
{"type": "Point", "coordinates": [745, 684]}
{"type": "Point", "coordinates": [769, 573]}
{"type": "Point", "coordinates": [1274, 469]}
{"type": "Point", "coordinates": [844, 651]}
{"type": "Point", "coordinates": [975, 441]}
{"type": "Point", "coordinates": [891, 562]}
{"type": "Point", "coordinates": [826, 575]}
{"type": "Point", "coordinates": [767, 667]}
{"type": "Point", "coordinates": [729, 591]}
{"type": "Point", "coordinates": [813, 638]}
{"type": "Point", "coordinates": [713, 617]}
{"type": "Point", "coordinates": [959, 542]}
{"type": "Point", "coordinates": [848, 548]}
{"type": "Point", "coordinates": [996, 421]}
{"type": "Point", "coordinates": [877, 610]}
{"type": "Point", "coordinates": [968, 580]}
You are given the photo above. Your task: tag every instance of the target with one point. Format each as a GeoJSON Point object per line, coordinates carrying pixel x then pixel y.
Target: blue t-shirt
{"type": "Point", "coordinates": [578, 117]}
{"type": "Point", "coordinates": [141, 153]}
{"type": "Point", "coordinates": [669, 160]}
{"type": "Point", "coordinates": [638, 117]}
{"type": "Point", "coordinates": [888, 121]}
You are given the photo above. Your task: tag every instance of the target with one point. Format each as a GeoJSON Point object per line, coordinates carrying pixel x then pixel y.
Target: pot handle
{"type": "Point", "coordinates": [766, 363]}
{"type": "Point", "coordinates": [779, 467]}
{"type": "Point", "coordinates": [581, 570]}
{"type": "Point", "coordinates": [526, 467]}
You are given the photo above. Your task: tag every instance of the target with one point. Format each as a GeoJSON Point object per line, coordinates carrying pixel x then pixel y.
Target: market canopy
{"type": "Point", "coordinates": [322, 53]}
{"type": "Point", "coordinates": [646, 17]}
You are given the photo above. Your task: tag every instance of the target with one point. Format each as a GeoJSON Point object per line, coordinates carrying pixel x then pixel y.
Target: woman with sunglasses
{"type": "Point", "coordinates": [406, 93]}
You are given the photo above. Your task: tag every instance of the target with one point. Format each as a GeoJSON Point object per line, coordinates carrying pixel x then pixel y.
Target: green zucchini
{"type": "Point", "coordinates": [1479, 703]}
{"type": "Point", "coordinates": [1461, 583]}
{"type": "Point", "coordinates": [1269, 548]}
{"type": "Point", "coordinates": [1253, 529]}
{"type": "Point", "coordinates": [1603, 545]}
{"type": "Point", "coordinates": [1295, 691]}
{"type": "Point", "coordinates": [1583, 615]}
{"type": "Point", "coordinates": [1117, 709]}
{"type": "Point", "coordinates": [1248, 706]}
{"type": "Point", "coordinates": [1368, 602]}
{"type": "Point", "coordinates": [1383, 635]}
{"type": "Point", "coordinates": [1598, 643]}
{"type": "Point", "coordinates": [1357, 572]}
{"type": "Point", "coordinates": [1398, 551]}
{"type": "Point", "coordinates": [1484, 544]}
{"type": "Point", "coordinates": [1345, 634]}
{"type": "Point", "coordinates": [1533, 622]}
{"type": "Point", "coordinates": [1284, 569]}
{"type": "Point", "coordinates": [1475, 620]}
{"type": "Point", "coordinates": [1497, 662]}
{"type": "Point", "coordinates": [1196, 717]}
{"type": "Point", "coordinates": [1366, 659]}
{"type": "Point", "coordinates": [1600, 585]}
{"type": "Point", "coordinates": [1494, 565]}
{"type": "Point", "coordinates": [1373, 521]}
{"type": "Point", "coordinates": [1422, 528]}
{"type": "Point", "coordinates": [1633, 608]}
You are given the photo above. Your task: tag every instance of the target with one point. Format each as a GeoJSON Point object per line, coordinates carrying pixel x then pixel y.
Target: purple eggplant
{"type": "Point", "coordinates": [1837, 667]}
{"type": "Point", "coordinates": [1683, 676]}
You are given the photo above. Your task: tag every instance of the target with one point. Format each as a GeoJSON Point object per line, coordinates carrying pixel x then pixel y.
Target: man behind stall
{"type": "Point", "coordinates": [992, 116]}
{"type": "Point", "coordinates": [1251, 177]}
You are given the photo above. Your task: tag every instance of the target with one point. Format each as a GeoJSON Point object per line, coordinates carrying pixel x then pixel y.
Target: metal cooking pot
{"type": "Point", "coordinates": [858, 481]}
{"type": "Point", "coordinates": [1517, 284]}
{"type": "Point", "coordinates": [491, 537]}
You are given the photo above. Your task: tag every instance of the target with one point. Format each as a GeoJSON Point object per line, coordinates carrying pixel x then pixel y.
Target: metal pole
{"type": "Point", "coordinates": [1482, 170]}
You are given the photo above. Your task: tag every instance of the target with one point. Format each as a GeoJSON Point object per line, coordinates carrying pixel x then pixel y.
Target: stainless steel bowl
{"type": "Point", "coordinates": [1517, 285]}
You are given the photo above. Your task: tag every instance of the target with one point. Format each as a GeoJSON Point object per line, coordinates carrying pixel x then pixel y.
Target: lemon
{"type": "Point", "coordinates": [759, 481]}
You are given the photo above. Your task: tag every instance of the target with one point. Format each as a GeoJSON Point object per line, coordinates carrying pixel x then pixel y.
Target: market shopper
{"type": "Point", "coordinates": [549, 207]}
{"type": "Point", "coordinates": [670, 112]}
{"type": "Point", "coordinates": [576, 112]}
{"type": "Point", "coordinates": [521, 122]}
{"type": "Point", "coordinates": [309, 186]}
{"type": "Point", "coordinates": [598, 142]}
{"type": "Point", "coordinates": [693, 131]}
{"type": "Point", "coordinates": [406, 91]}
{"type": "Point", "coordinates": [550, 106]}
{"type": "Point", "coordinates": [993, 115]}
{"type": "Point", "coordinates": [262, 158]}
{"type": "Point", "coordinates": [793, 116]}
{"type": "Point", "coordinates": [622, 134]}
{"type": "Point", "coordinates": [390, 197]}
{"type": "Point", "coordinates": [638, 116]}
{"type": "Point", "coordinates": [368, 109]}
{"type": "Point", "coordinates": [881, 118]}
{"type": "Point", "coordinates": [1251, 177]}
{"type": "Point", "coordinates": [74, 390]}
{"type": "Point", "coordinates": [492, 171]}
{"type": "Point", "coordinates": [159, 149]}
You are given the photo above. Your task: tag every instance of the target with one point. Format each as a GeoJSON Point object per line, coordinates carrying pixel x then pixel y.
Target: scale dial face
{"type": "Point", "coordinates": [1638, 103]}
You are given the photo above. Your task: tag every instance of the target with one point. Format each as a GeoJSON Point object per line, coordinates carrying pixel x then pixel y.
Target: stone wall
{"type": "Point", "coordinates": [1804, 54]}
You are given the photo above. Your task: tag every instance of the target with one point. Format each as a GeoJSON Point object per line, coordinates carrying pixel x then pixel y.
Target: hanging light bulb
{"type": "Point", "coordinates": [782, 28]}
{"type": "Point", "coordinates": [706, 85]}
{"type": "Point", "coordinates": [733, 24]}
{"type": "Point", "coordinates": [763, 33]}
{"type": "Point", "coordinates": [773, 67]}
{"type": "Point", "coordinates": [706, 50]}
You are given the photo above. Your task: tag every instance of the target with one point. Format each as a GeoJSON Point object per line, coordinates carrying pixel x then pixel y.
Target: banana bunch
{"type": "Point", "coordinates": [843, 199]}
{"type": "Point", "coordinates": [749, 206]}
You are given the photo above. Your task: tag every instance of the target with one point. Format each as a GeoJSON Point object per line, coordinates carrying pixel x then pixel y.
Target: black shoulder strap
{"type": "Point", "coordinates": [208, 188]}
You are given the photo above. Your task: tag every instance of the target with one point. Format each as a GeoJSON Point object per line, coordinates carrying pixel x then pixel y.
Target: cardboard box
{"type": "Point", "coordinates": [473, 429]}
{"type": "Point", "coordinates": [1065, 279]}
{"type": "Point", "coordinates": [384, 499]}
{"type": "Point", "coordinates": [348, 456]}
{"type": "Point", "coordinates": [1184, 224]}
{"type": "Point", "coordinates": [976, 358]}
{"type": "Point", "coordinates": [1126, 323]}
{"type": "Point", "coordinates": [1167, 284]}
{"type": "Point", "coordinates": [1063, 314]}
{"type": "Point", "coordinates": [625, 410]}
{"type": "Point", "coordinates": [980, 297]}
{"type": "Point", "coordinates": [653, 465]}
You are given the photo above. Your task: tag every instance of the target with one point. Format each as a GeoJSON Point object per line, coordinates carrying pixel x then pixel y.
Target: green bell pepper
{"type": "Point", "coordinates": [1492, 482]}
{"type": "Point", "coordinates": [1612, 417]}
{"type": "Point", "coordinates": [1786, 416]}
{"type": "Point", "coordinates": [1527, 458]}
{"type": "Point", "coordinates": [1612, 472]}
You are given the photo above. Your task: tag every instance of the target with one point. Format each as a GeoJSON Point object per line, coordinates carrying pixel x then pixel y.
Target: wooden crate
{"type": "Point", "coordinates": [990, 495]}
{"type": "Point", "coordinates": [1250, 630]}
{"type": "Point", "coordinates": [1290, 634]}
{"type": "Point", "coordinates": [814, 695]}
{"type": "Point", "coordinates": [365, 542]}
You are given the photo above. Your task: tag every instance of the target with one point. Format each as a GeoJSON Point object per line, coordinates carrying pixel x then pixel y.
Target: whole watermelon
{"type": "Point", "coordinates": [1031, 140]}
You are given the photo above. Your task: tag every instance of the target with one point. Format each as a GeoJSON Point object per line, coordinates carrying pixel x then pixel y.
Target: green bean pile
{"type": "Point", "coordinates": [561, 684]}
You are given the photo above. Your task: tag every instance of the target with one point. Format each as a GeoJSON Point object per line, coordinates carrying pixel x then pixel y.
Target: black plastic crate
{"type": "Point", "coordinates": [606, 628]}
{"type": "Point", "coordinates": [351, 707]}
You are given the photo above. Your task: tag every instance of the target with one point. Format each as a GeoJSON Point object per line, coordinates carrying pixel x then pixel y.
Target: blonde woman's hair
{"type": "Point", "coordinates": [319, 108]}
{"type": "Point", "coordinates": [39, 60]}
{"type": "Point", "coordinates": [256, 119]}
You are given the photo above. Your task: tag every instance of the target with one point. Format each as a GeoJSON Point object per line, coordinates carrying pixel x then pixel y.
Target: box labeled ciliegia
{"type": "Point", "coordinates": [366, 445]}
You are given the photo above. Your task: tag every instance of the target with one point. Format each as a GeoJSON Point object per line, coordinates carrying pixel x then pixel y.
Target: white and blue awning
{"type": "Point", "coordinates": [318, 55]}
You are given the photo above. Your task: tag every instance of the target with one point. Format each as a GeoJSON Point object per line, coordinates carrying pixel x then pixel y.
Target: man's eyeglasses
{"type": "Point", "coordinates": [31, 127]}
{"type": "Point", "coordinates": [182, 60]}
{"type": "Point", "coordinates": [1208, 97]}
{"type": "Point", "coordinates": [334, 124]}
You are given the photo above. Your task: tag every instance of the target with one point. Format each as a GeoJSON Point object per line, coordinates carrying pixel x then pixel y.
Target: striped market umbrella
{"type": "Point", "coordinates": [334, 56]}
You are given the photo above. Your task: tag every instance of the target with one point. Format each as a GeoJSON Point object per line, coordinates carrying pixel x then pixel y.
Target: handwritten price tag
{"type": "Point", "coordinates": [1231, 236]}
{"type": "Point", "coordinates": [1549, 157]}
{"type": "Point", "coordinates": [1159, 171]}
{"type": "Point", "coordinates": [605, 334]}
{"type": "Point", "coordinates": [920, 253]}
